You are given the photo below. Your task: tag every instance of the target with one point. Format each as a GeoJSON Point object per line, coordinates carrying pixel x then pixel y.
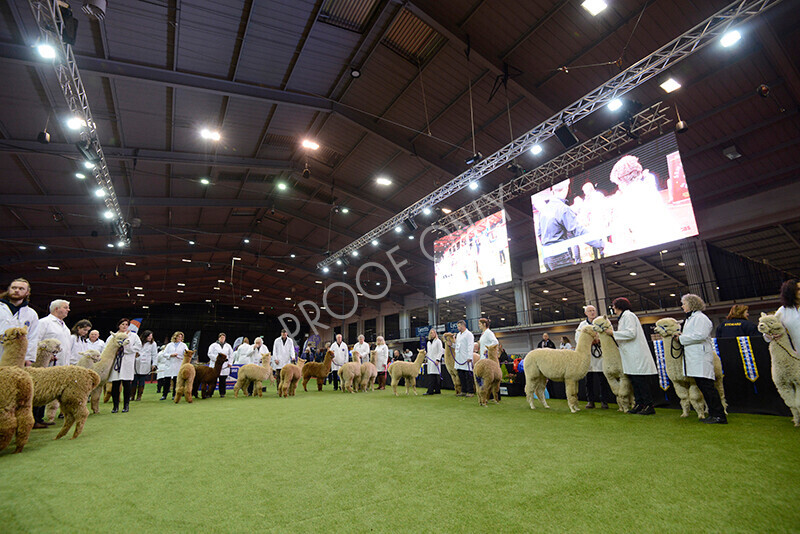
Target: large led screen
{"type": "Point", "coordinates": [473, 257]}
{"type": "Point", "coordinates": [636, 200]}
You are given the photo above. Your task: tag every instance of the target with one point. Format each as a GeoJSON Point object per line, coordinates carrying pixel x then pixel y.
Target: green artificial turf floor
{"type": "Point", "coordinates": [370, 462]}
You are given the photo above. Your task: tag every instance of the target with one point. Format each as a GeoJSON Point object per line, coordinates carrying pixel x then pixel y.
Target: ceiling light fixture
{"type": "Point", "coordinates": [670, 85]}
{"type": "Point", "coordinates": [594, 7]}
{"type": "Point", "coordinates": [42, 247]}
{"type": "Point", "coordinates": [447, 211]}
{"type": "Point", "coordinates": [730, 38]}
{"type": "Point", "coordinates": [374, 242]}
{"type": "Point", "coordinates": [80, 176]}
{"type": "Point", "coordinates": [108, 214]}
{"type": "Point", "coordinates": [615, 104]}
{"type": "Point", "coordinates": [246, 241]}
{"type": "Point", "coordinates": [75, 123]}
{"type": "Point", "coordinates": [46, 51]}
{"type": "Point", "coordinates": [536, 150]}
{"type": "Point", "coordinates": [282, 186]}
{"type": "Point", "coordinates": [88, 165]}
{"type": "Point", "coordinates": [381, 180]}
{"type": "Point", "coordinates": [205, 181]}
{"type": "Point", "coordinates": [191, 242]}
{"type": "Point", "coordinates": [210, 135]}
{"type": "Point", "coordinates": [53, 268]}
{"type": "Point", "coordinates": [308, 143]}
{"type": "Point", "coordinates": [132, 263]}
{"type": "Point", "coordinates": [355, 72]}
{"type": "Point", "coordinates": [473, 185]}
{"type": "Point", "coordinates": [100, 192]}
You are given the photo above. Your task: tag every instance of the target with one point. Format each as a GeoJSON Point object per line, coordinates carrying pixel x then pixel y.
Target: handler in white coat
{"type": "Point", "coordinates": [122, 370]}
{"type": "Point", "coordinates": [15, 312]}
{"type": "Point", "coordinates": [595, 374]}
{"type": "Point", "coordinates": [174, 352]}
{"type": "Point", "coordinates": [487, 339]}
{"type": "Point", "coordinates": [465, 342]}
{"type": "Point", "coordinates": [433, 363]}
{"type": "Point", "coordinates": [381, 360]}
{"type": "Point", "coordinates": [259, 351]}
{"type": "Point", "coordinates": [217, 348]}
{"type": "Point", "coordinates": [283, 353]}
{"type": "Point", "coordinates": [637, 362]}
{"type": "Point", "coordinates": [698, 355]}
{"type": "Point", "coordinates": [340, 357]}
{"type": "Point", "coordinates": [362, 349]}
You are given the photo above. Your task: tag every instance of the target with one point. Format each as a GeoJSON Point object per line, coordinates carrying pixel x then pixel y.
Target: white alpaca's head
{"type": "Point", "coordinates": [51, 345]}
{"type": "Point", "coordinates": [92, 354]}
{"type": "Point", "coordinates": [119, 338]}
{"type": "Point", "coordinates": [771, 325]}
{"type": "Point", "coordinates": [667, 327]}
{"type": "Point", "coordinates": [601, 324]}
{"type": "Point", "coordinates": [589, 331]}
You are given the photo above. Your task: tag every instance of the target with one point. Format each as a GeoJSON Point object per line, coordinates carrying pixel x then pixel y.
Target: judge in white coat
{"type": "Point", "coordinates": [174, 353]}
{"type": "Point", "coordinates": [144, 364]}
{"type": "Point", "coordinates": [595, 374]}
{"type": "Point", "coordinates": [340, 357]}
{"type": "Point", "coordinates": [698, 351]}
{"type": "Point", "coordinates": [95, 342]}
{"type": "Point", "coordinates": [53, 327]}
{"type": "Point", "coordinates": [217, 348]}
{"type": "Point", "coordinates": [259, 351]}
{"type": "Point", "coordinates": [361, 350]}
{"type": "Point", "coordinates": [433, 363]}
{"type": "Point", "coordinates": [381, 360]}
{"type": "Point", "coordinates": [15, 312]}
{"type": "Point", "coordinates": [283, 352]}
{"type": "Point", "coordinates": [487, 339]}
{"type": "Point", "coordinates": [463, 355]}
{"type": "Point", "coordinates": [243, 353]}
{"type": "Point", "coordinates": [122, 370]}
{"type": "Point", "coordinates": [637, 362]}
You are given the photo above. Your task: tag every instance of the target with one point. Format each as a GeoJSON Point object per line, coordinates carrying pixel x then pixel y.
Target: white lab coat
{"type": "Point", "coordinates": [340, 355]}
{"type": "Point", "coordinates": [487, 339]}
{"type": "Point", "coordinates": [147, 358]}
{"type": "Point", "coordinates": [465, 343]}
{"type": "Point", "coordinates": [216, 349]}
{"type": "Point", "coordinates": [381, 357]}
{"type": "Point", "coordinates": [698, 348]}
{"type": "Point", "coordinates": [282, 353]}
{"type": "Point", "coordinates": [25, 316]}
{"type": "Point", "coordinates": [435, 353]}
{"type": "Point", "coordinates": [174, 352]}
{"type": "Point", "coordinates": [162, 365]}
{"type": "Point", "coordinates": [633, 347]}
{"type": "Point", "coordinates": [78, 345]}
{"type": "Point", "coordinates": [97, 345]}
{"type": "Point", "coordinates": [51, 327]}
{"type": "Point", "coordinates": [243, 354]}
{"type": "Point", "coordinates": [129, 351]}
{"type": "Point", "coordinates": [257, 356]}
{"type": "Point", "coordinates": [595, 364]}
{"type": "Point", "coordinates": [363, 350]}
{"type": "Point", "coordinates": [790, 319]}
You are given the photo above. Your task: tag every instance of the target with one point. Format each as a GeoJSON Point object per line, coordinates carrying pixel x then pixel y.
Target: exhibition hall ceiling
{"type": "Point", "coordinates": [267, 75]}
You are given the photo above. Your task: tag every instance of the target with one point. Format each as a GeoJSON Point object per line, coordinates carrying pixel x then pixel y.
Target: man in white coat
{"type": "Point", "coordinates": [433, 363]}
{"type": "Point", "coordinates": [122, 370]}
{"type": "Point", "coordinates": [361, 350]}
{"type": "Point", "coordinates": [637, 362]}
{"type": "Point", "coordinates": [217, 348]}
{"type": "Point", "coordinates": [259, 351]}
{"type": "Point", "coordinates": [282, 354]}
{"type": "Point", "coordinates": [698, 360]}
{"type": "Point", "coordinates": [340, 357]}
{"type": "Point", "coordinates": [465, 342]}
{"type": "Point", "coordinates": [15, 312]}
{"type": "Point", "coordinates": [53, 327]}
{"type": "Point", "coordinates": [95, 342]}
{"type": "Point", "coordinates": [595, 374]}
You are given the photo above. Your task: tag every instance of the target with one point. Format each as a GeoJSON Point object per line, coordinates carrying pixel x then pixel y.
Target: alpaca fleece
{"type": "Point", "coordinates": [407, 371]}
{"type": "Point", "coordinates": [205, 378]}
{"type": "Point", "coordinates": [785, 364]}
{"type": "Point", "coordinates": [290, 376]}
{"type": "Point", "coordinates": [317, 370]}
{"type": "Point", "coordinates": [559, 365]}
{"type": "Point", "coordinates": [618, 381]}
{"type": "Point", "coordinates": [16, 392]}
{"type": "Point", "coordinates": [185, 379]}
{"type": "Point", "coordinates": [368, 373]}
{"type": "Point", "coordinates": [252, 373]}
{"type": "Point", "coordinates": [450, 360]}
{"type": "Point", "coordinates": [488, 376]}
{"type": "Point", "coordinates": [88, 358]}
{"type": "Point", "coordinates": [350, 376]}
{"type": "Point", "coordinates": [685, 386]}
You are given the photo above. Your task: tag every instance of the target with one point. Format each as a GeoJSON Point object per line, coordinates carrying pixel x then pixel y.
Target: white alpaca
{"type": "Point", "coordinates": [559, 365]}
{"type": "Point", "coordinates": [368, 373]}
{"type": "Point", "coordinates": [255, 374]}
{"type": "Point", "coordinates": [618, 381]}
{"type": "Point", "coordinates": [785, 363]}
{"type": "Point", "coordinates": [408, 371]}
{"type": "Point", "coordinates": [350, 376]}
{"type": "Point", "coordinates": [88, 358]}
{"type": "Point", "coordinates": [103, 367]}
{"type": "Point", "coordinates": [685, 387]}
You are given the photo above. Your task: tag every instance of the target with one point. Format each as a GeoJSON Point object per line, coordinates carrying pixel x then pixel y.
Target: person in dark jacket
{"type": "Point", "coordinates": [545, 343]}
{"type": "Point", "coordinates": [736, 324]}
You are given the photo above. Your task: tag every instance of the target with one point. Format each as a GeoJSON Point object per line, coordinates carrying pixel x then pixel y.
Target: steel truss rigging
{"type": "Point", "coordinates": [635, 75]}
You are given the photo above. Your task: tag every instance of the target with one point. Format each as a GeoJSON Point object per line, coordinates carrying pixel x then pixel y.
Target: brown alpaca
{"type": "Point", "coordinates": [255, 374]}
{"type": "Point", "coordinates": [317, 370]}
{"type": "Point", "coordinates": [407, 371]}
{"type": "Point", "coordinates": [488, 371]}
{"type": "Point", "coordinates": [350, 376]}
{"type": "Point", "coordinates": [16, 392]}
{"type": "Point", "coordinates": [103, 367]}
{"type": "Point", "coordinates": [368, 373]}
{"type": "Point", "coordinates": [16, 339]}
{"type": "Point", "coordinates": [69, 385]}
{"type": "Point", "coordinates": [290, 376]}
{"type": "Point", "coordinates": [206, 377]}
{"type": "Point", "coordinates": [185, 379]}
{"type": "Point", "coordinates": [450, 360]}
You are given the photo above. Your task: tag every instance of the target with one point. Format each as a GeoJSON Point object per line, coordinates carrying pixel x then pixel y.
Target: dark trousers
{"type": "Point", "coordinates": [714, 403]}
{"type": "Point", "coordinates": [139, 380]}
{"type": "Point", "coordinates": [334, 376]}
{"type": "Point", "coordinates": [467, 381]}
{"type": "Point", "coordinates": [38, 414]}
{"type": "Point", "coordinates": [223, 385]}
{"type": "Point", "coordinates": [434, 384]}
{"type": "Point", "coordinates": [277, 374]}
{"type": "Point", "coordinates": [593, 378]}
{"type": "Point", "coordinates": [126, 392]}
{"type": "Point", "coordinates": [165, 384]}
{"type": "Point", "coordinates": [250, 388]}
{"type": "Point", "coordinates": [641, 389]}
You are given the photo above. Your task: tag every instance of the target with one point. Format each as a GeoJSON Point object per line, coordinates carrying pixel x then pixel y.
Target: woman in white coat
{"type": "Point", "coordinates": [217, 348]}
{"type": "Point", "coordinates": [174, 352]}
{"type": "Point", "coordinates": [122, 369]}
{"type": "Point", "coordinates": [698, 355]}
{"type": "Point", "coordinates": [433, 363]}
{"type": "Point", "coordinates": [637, 362]}
{"type": "Point", "coordinates": [487, 338]}
{"type": "Point", "coordinates": [145, 361]}
{"type": "Point", "coordinates": [381, 360]}
{"type": "Point", "coordinates": [80, 339]}
{"type": "Point", "coordinates": [244, 353]}
{"type": "Point", "coordinates": [362, 348]}
{"type": "Point", "coordinates": [789, 312]}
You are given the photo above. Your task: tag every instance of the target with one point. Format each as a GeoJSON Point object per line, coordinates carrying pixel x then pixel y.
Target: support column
{"type": "Point", "coordinates": [379, 326]}
{"type": "Point", "coordinates": [522, 302]}
{"type": "Point", "coordinates": [699, 274]}
{"type": "Point", "coordinates": [405, 323]}
{"type": "Point", "coordinates": [473, 302]}
{"type": "Point", "coordinates": [432, 319]}
{"type": "Point", "coordinates": [595, 289]}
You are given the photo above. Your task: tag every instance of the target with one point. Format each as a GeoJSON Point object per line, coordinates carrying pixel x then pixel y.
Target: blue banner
{"type": "Point", "coordinates": [422, 334]}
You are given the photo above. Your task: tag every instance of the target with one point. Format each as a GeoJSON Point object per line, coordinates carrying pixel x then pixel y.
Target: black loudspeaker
{"type": "Point", "coordinates": [70, 29]}
{"type": "Point", "coordinates": [566, 136]}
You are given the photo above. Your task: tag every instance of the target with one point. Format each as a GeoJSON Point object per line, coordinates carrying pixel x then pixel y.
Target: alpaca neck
{"type": "Point", "coordinates": [327, 362]}
{"type": "Point", "coordinates": [584, 344]}
{"type": "Point", "coordinates": [109, 351]}
{"type": "Point", "coordinates": [492, 354]}
{"type": "Point", "coordinates": [187, 358]}
{"type": "Point", "coordinates": [43, 358]}
{"type": "Point", "coordinates": [14, 353]}
{"type": "Point", "coordinates": [419, 360]}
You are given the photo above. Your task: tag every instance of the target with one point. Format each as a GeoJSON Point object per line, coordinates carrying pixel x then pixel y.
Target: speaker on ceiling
{"type": "Point", "coordinates": [566, 136]}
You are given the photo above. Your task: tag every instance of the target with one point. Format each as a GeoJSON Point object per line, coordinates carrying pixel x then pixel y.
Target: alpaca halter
{"type": "Point", "coordinates": [597, 351]}
{"type": "Point", "coordinates": [672, 348]}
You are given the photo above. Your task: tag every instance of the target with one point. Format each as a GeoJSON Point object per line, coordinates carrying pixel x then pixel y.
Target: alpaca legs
{"type": "Point", "coordinates": [237, 386]}
{"type": "Point", "coordinates": [683, 394]}
{"type": "Point", "coordinates": [305, 381]}
{"type": "Point", "coordinates": [69, 419]}
{"type": "Point", "coordinates": [51, 411]}
{"type": "Point", "coordinates": [572, 395]}
{"type": "Point", "coordinates": [539, 387]}
{"type": "Point", "coordinates": [95, 396]}
{"type": "Point", "coordinates": [81, 414]}
{"type": "Point", "coordinates": [8, 426]}
{"type": "Point", "coordinates": [625, 393]}
{"type": "Point", "coordinates": [529, 393]}
{"type": "Point", "coordinates": [698, 401]}
{"type": "Point", "coordinates": [24, 423]}
{"type": "Point", "coordinates": [721, 391]}
{"type": "Point", "coordinates": [187, 391]}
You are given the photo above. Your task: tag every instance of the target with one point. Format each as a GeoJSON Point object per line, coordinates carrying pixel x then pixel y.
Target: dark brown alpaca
{"type": "Point", "coordinates": [317, 370]}
{"type": "Point", "coordinates": [205, 377]}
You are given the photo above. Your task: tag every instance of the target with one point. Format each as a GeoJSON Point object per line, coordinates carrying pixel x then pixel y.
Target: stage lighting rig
{"type": "Point", "coordinates": [473, 159]}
